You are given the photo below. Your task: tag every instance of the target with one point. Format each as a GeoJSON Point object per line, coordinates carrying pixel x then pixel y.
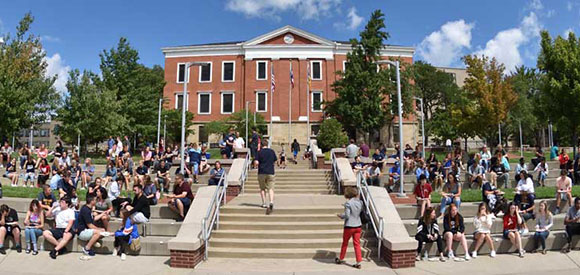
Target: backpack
{"type": "Point", "coordinates": [365, 218]}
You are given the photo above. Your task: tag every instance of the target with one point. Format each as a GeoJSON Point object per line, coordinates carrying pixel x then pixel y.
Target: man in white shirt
{"type": "Point", "coordinates": [351, 150]}
{"type": "Point", "coordinates": [239, 141]}
{"type": "Point", "coordinates": [64, 228]}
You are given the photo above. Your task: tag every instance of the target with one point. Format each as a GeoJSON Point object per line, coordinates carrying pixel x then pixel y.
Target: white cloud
{"type": "Point", "coordinates": [56, 67]}
{"type": "Point", "coordinates": [506, 44]}
{"type": "Point", "coordinates": [567, 32]}
{"type": "Point", "coordinates": [536, 5]}
{"type": "Point", "coordinates": [305, 9]}
{"type": "Point", "coordinates": [353, 21]}
{"type": "Point", "coordinates": [49, 38]}
{"type": "Point", "coordinates": [445, 46]}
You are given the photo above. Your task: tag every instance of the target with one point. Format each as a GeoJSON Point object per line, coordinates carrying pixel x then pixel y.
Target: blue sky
{"type": "Point", "coordinates": [75, 32]}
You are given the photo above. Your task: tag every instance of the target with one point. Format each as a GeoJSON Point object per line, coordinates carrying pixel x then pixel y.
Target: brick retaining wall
{"type": "Point", "coordinates": [187, 259]}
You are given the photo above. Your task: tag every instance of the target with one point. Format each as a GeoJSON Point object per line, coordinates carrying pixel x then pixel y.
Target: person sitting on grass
{"type": "Point", "coordinates": [482, 222]}
{"type": "Point", "coordinates": [563, 190]}
{"type": "Point", "coordinates": [422, 193]}
{"type": "Point", "coordinates": [216, 174]}
{"type": "Point", "coordinates": [30, 175]}
{"type": "Point", "coordinates": [87, 172]}
{"type": "Point", "coordinates": [544, 222]}
{"type": "Point", "coordinates": [34, 223]}
{"type": "Point", "coordinates": [9, 227]}
{"type": "Point", "coordinates": [86, 229]}
{"type": "Point", "coordinates": [181, 198]}
{"type": "Point", "coordinates": [543, 171]}
{"type": "Point", "coordinates": [46, 199]}
{"type": "Point", "coordinates": [511, 220]}
{"type": "Point", "coordinates": [428, 232]}
{"type": "Point", "coordinates": [126, 236]}
{"type": "Point", "coordinates": [63, 232]}
{"type": "Point", "coordinates": [454, 231]}
{"type": "Point", "coordinates": [451, 194]}
{"type": "Point", "coordinates": [572, 222]}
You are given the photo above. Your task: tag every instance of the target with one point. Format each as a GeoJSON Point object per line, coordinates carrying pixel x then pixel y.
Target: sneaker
{"type": "Point", "coordinates": [35, 252]}
{"type": "Point", "coordinates": [544, 251]}
{"type": "Point", "coordinates": [2, 251]}
{"type": "Point", "coordinates": [467, 258]}
{"type": "Point", "coordinates": [264, 206]}
{"type": "Point", "coordinates": [123, 256]}
{"type": "Point", "coordinates": [88, 252]}
{"type": "Point", "coordinates": [426, 255]}
{"type": "Point", "coordinates": [52, 254]}
{"type": "Point", "coordinates": [522, 252]}
{"type": "Point", "coordinates": [63, 250]}
{"type": "Point", "coordinates": [557, 211]}
{"type": "Point", "coordinates": [442, 259]}
{"type": "Point", "coordinates": [27, 251]}
{"type": "Point", "coordinates": [418, 258]}
{"type": "Point", "coordinates": [451, 256]}
{"type": "Point", "coordinates": [98, 244]}
{"type": "Point", "coordinates": [18, 248]}
{"type": "Point", "coordinates": [474, 254]}
{"type": "Point", "coordinates": [492, 254]}
{"type": "Point", "coordinates": [115, 252]}
{"type": "Point", "coordinates": [270, 209]}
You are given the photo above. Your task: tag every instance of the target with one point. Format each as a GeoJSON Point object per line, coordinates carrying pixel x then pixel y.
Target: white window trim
{"type": "Point", "coordinates": [210, 72]}
{"type": "Point", "coordinates": [199, 103]}
{"type": "Point", "coordinates": [258, 71]}
{"type": "Point", "coordinates": [177, 94]}
{"type": "Point", "coordinates": [233, 71]}
{"type": "Point", "coordinates": [233, 102]}
{"type": "Point", "coordinates": [312, 69]}
{"type": "Point", "coordinates": [312, 102]}
{"type": "Point", "coordinates": [185, 76]}
{"type": "Point", "coordinates": [344, 66]}
{"type": "Point", "coordinates": [266, 103]}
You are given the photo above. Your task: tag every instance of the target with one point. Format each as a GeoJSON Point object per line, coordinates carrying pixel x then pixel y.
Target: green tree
{"type": "Point", "coordinates": [363, 92]}
{"type": "Point", "coordinates": [173, 124]}
{"type": "Point", "coordinates": [27, 95]}
{"type": "Point", "coordinates": [88, 110]}
{"type": "Point", "coordinates": [237, 121]}
{"type": "Point", "coordinates": [559, 59]}
{"type": "Point", "coordinates": [331, 135]}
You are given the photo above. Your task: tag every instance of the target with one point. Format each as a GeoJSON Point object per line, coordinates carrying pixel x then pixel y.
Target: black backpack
{"type": "Point", "coordinates": [365, 218]}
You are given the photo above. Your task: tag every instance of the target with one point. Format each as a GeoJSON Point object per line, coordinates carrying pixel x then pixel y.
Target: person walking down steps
{"type": "Point", "coordinates": [266, 159]}
{"type": "Point", "coordinates": [352, 225]}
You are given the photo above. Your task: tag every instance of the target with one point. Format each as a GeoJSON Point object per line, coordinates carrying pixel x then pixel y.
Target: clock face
{"type": "Point", "coordinates": [288, 39]}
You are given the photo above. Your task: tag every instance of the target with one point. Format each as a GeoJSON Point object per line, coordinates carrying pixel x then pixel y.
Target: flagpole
{"type": "Point", "coordinates": [271, 104]}
{"type": "Point", "coordinates": [308, 104]}
{"type": "Point", "coordinates": [290, 105]}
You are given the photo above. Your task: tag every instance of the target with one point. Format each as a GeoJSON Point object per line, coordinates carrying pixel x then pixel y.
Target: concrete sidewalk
{"type": "Point", "coordinates": [17, 264]}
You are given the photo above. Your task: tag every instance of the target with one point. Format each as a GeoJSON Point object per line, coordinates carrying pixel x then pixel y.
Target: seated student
{"type": "Point", "coordinates": [572, 222]}
{"type": "Point", "coordinates": [150, 190]}
{"type": "Point", "coordinates": [126, 236]}
{"type": "Point", "coordinates": [379, 159]}
{"type": "Point", "coordinates": [93, 186]}
{"type": "Point", "coordinates": [475, 174]}
{"type": "Point", "coordinates": [543, 171]}
{"type": "Point", "coordinates": [139, 207]}
{"type": "Point", "coordinates": [450, 194]}
{"type": "Point", "coordinates": [9, 227]}
{"type": "Point", "coordinates": [482, 222]}
{"type": "Point", "coordinates": [65, 186]}
{"type": "Point", "coordinates": [519, 167]}
{"type": "Point", "coordinates": [428, 232]}
{"type": "Point", "coordinates": [34, 223]}
{"type": "Point", "coordinates": [114, 195]}
{"type": "Point", "coordinates": [102, 209]}
{"type": "Point", "coordinates": [204, 167]}
{"type": "Point", "coordinates": [64, 228]}
{"type": "Point", "coordinates": [46, 199]}
{"type": "Point", "coordinates": [110, 172]}
{"type": "Point", "coordinates": [216, 173]}
{"type": "Point", "coordinates": [87, 172]}
{"type": "Point", "coordinates": [436, 176]}
{"type": "Point", "coordinates": [373, 175]}
{"type": "Point", "coordinates": [358, 165]}
{"type": "Point", "coordinates": [141, 172]}
{"type": "Point", "coordinates": [30, 165]}
{"type": "Point", "coordinates": [163, 176]}
{"type": "Point", "coordinates": [497, 172]}
{"type": "Point", "coordinates": [454, 228]}
{"type": "Point", "coordinates": [421, 170]}
{"type": "Point", "coordinates": [511, 220]}
{"type": "Point", "coordinates": [181, 198]}
{"type": "Point", "coordinates": [86, 229]}
{"type": "Point", "coordinates": [525, 187]}
{"type": "Point", "coordinates": [490, 195]}
{"type": "Point", "coordinates": [44, 172]}
{"type": "Point", "coordinates": [187, 176]}
{"type": "Point", "coordinates": [394, 176]}
{"type": "Point", "coordinates": [544, 222]}
{"type": "Point", "coordinates": [423, 193]}
{"type": "Point", "coordinates": [11, 173]}
{"type": "Point", "coordinates": [526, 208]}
{"type": "Point", "coordinates": [563, 190]}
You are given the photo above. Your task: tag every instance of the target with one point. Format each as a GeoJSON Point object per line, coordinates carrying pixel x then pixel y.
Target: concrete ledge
{"type": "Point", "coordinates": [339, 152]}
{"type": "Point", "coordinates": [241, 153]}
{"type": "Point", "coordinates": [397, 245]}
{"type": "Point", "coordinates": [348, 177]}
{"type": "Point", "coordinates": [188, 243]}
{"type": "Point", "coordinates": [235, 172]}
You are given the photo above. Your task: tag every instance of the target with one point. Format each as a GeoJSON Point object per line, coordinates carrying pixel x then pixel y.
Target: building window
{"type": "Point", "coordinates": [316, 70]}
{"type": "Point", "coordinates": [205, 72]}
{"type": "Point", "coordinates": [228, 71]}
{"type": "Point", "coordinates": [43, 133]}
{"type": "Point", "coordinates": [180, 72]}
{"type": "Point", "coordinates": [179, 102]}
{"type": "Point", "coordinates": [344, 66]}
{"type": "Point", "coordinates": [35, 133]}
{"type": "Point", "coordinates": [314, 129]}
{"type": "Point", "coordinates": [317, 101]}
{"type": "Point", "coordinates": [261, 101]}
{"type": "Point", "coordinates": [204, 103]}
{"type": "Point", "coordinates": [261, 69]}
{"type": "Point", "coordinates": [227, 102]}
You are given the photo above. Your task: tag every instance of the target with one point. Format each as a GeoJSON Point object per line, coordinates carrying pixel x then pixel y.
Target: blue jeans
{"type": "Point", "coordinates": [541, 237]}
{"type": "Point", "coordinates": [31, 234]}
{"type": "Point", "coordinates": [447, 201]}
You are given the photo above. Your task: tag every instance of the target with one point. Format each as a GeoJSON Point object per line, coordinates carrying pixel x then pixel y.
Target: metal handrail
{"type": "Point", "coordinates": [213, 212]}
{"type": "Point", "coordinates": [377, 221]}
{"type": "Point", "coordinates": [244, 175]}
{"type": "Point", "coordinates": [336, 171]}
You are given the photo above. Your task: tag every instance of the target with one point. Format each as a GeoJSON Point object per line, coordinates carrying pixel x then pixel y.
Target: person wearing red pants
{"type": "Point", "coordinates": [352, 225]}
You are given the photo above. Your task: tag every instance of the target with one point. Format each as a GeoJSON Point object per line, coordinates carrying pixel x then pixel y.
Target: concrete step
{"type": "Point", "coordinates": [255, 209]}
{"type": "Point", "coordinates": [298, 233]}
{"type": "Point", "coordinates": [284, 243]}
{"type": "Point", "coordinates": [292, 186]}
{"type": "Point", "coordinates": [296, 191]}
{"type": "Point", "coordinates": [272, 225]}
{"type": "Point", "coordinates": [272, 253]}
{"type": "Point", "coordinates": [279, 218]}
{"type": "Point", "coordinates": [295, 179]}
{"type": "Point", "coordinates": [294, 183]}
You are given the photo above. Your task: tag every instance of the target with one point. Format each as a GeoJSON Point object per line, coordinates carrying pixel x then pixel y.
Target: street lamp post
{"type": "Point", "coordinates": [247, 107]}
{"type": "Point", "coordinates": [399, 102]}
{"type": "Point", "coordinates": [183, 116]}
{"type": "Point", "coordinates": [422, 125]}
{"type": "Point", "coordinates": [159, 121]}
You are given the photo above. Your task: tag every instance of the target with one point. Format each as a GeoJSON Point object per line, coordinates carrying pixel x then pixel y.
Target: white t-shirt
{"type": "Point", "coordinates": [64, 217]}
{"type": "Point", "coordinates": [239, 143]}
{"type": "Point", "coordinates": [351, 151]}
{"type": "Point", "coordinates": [113, 191]}
{"type": "Point", "coordinates": [526, 185]}
{"type": "Point", "coordinates": [448, 142]}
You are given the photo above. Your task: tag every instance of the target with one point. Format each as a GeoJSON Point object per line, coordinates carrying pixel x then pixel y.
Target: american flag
{"type": "Point", "coordinates": [291, 75]}
{"type": "Point", "coordinates": [272, 77]}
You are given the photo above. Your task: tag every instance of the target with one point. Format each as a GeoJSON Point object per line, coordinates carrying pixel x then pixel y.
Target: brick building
{"type": "Point", "coordinates": [240, 72]}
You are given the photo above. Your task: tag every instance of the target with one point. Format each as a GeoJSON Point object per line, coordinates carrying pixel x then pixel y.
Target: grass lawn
{"type": "Point", "coordinates": [474, 195]}
{"type": "Point", "coordinates": [26, 192]}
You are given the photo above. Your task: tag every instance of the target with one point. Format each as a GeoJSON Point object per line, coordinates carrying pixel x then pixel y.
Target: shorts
{"type": "Point", "coordinates": [86, 234]}
{"type": "Point", "coordinates": [195, 168]}
{"type": "Point", "coordinates": [58, 233]}
{"type": "Point", "coordinates": [161, 180]}
{"type": "Point", "coordinates": [185, 201]}
{"type": "Point", "coordinates": [563, 196]}
{"type": "Point", "coordinates": [505, 234]}
{"type": "Point", "coordinates": [138, 217]}
{"type": "Point", "coordinates": [29, 176]}
{"type": "Point", "coordinates": [266, 181]}
{"type": "Point", "coordinates": [9, 229]}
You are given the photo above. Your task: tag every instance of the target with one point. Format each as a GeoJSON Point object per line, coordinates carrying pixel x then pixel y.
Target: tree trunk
{"type": "Point", "coordinates": [466, 152]}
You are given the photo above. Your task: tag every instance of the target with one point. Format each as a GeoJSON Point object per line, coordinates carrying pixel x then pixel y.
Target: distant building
{"type": "Point", "coordinates": [459, 74]}
{"type": "Point", "coordinates": [44, 133]}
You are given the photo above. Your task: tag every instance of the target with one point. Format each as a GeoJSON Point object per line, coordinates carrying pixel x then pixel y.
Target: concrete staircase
{"type": "Point", "coordinates": [295, 181]}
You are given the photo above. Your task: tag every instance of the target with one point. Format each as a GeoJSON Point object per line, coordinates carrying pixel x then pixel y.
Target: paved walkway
{"type": "Point", "coordinates": [20, 264]}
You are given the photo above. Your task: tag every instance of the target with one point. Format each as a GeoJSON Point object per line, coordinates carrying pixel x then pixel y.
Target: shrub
{"type": "Point", "coordinates": [331, 135]}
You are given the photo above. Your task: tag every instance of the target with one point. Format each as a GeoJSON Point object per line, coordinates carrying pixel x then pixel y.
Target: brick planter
{"type": "Point", "coordinates": [233, 190]}
{"type": "Point", "coordinates": [186, 259]}
{"type": "Point", "coordinates": [398, 259]}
